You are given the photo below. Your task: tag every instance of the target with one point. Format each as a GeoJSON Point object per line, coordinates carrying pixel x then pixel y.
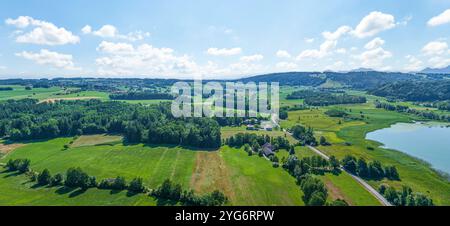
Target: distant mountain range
{"type": "Point", "coordinates": [445, 70]}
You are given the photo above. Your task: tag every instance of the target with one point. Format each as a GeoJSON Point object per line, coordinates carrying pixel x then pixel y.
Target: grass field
{"type": "Point", "coordinates": [19, 92]}
{"type": "Point", "coordinates": [230, 131]}
{"type": "Point", "coordinates": [414, 173]}
{"type": "Point", "coordinates": [245, 180]}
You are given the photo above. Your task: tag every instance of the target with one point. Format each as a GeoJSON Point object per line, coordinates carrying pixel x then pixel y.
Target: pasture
{"type": "Point", "coordinates": [245, 180]}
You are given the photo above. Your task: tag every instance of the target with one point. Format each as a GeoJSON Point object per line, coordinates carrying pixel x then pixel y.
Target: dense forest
{"type": "Point", "coordinates": [320, 98]}
{"type": "Point", "coordinates": [27, 119]}
{"type": "Point", "coordinates": [141, 96]}
{"type": "Point", "coordinates": [415, 90]}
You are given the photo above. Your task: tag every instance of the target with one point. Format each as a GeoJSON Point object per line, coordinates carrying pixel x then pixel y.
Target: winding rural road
{"type": "Point", "coordinates": [369, 188]}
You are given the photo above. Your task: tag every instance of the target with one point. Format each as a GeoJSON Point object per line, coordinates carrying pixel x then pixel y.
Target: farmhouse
{"type": "Point", "coordinates": [251, 127]}
{"type": "Point", "coordinates": [268, 149]}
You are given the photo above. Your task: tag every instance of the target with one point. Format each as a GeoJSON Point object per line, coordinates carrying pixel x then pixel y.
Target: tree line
{"type": "Point", "coordinates": [27, 119]}
{"type": "Point", "coordinates": [404, 197]}
{"type": "Point", "coordinates": [405, 109]}
{"type": "Point", "coordinates": [316, 98]}
{"type": "Point", "coordinates": [373, 170]}
{"type": "Point", "coordinates": [144, 95]}
{"type": "Point", "coordinates": [77, 178]}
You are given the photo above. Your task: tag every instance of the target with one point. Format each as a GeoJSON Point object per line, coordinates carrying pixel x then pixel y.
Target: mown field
{"type": "Point", "coordinates": [245, 180]}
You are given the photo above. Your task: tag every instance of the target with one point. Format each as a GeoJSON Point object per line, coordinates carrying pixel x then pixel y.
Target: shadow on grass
{"type": "Point", "coordinates": [131, 193]}
{"type": "Point", "coordinates": [64, 190]}
{"type": "Point", "coordinates": [11, 174]}
{"type": "Point", "coordinates": [165, 202]}
{"type": "Point", "coordinates": [77, 193]}
{"type": "Point", "coordinates": [189, 148]}
{"type": "Point", "coordinates": [113, 192]}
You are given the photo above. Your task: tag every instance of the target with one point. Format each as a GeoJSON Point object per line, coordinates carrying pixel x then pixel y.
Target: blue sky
{"type": "Point", "coordinates": [219, 39]}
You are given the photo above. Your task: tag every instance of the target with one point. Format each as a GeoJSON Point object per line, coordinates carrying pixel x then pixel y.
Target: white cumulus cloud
{"type": "Point", "coordinates": [110, 31]}
{"type": "Point", "coordinates": [46, 57]}
{"type": "Point", "coordinates": [375, 43]}
{"type": "Point", "coordinates": [374, 58]}
{"type": "Point", "coordinates": [374, 23]}
{"type": "Point", "coordinates": [42, 33]}
{"type": "Point", "coordinates": [224, 51]}
{"type": "Point", "coordinates": [283, 54]}
{"type": "Point", "coordinates": [440, 19]}
{"type": "Point", "coordinates": [435, 48]}
{"type": "Point", "coordinates": [252, 58]}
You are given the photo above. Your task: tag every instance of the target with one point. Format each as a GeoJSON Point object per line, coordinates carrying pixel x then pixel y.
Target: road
{"type": "Point", "coordinates": [369, 188]}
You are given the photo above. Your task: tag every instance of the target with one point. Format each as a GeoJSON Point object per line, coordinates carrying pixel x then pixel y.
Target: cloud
{"type": "Point", "coordinates": [374, 23]}
{"type": "Point", "coordinates": [224, 51]}
{"type": "Point", "coordinates": [331, 40]}
{"type": "Point", "coordinates": [439, 62]}
{"type": "Point", "coordinates": [2, 67]}
{"type": "Point", "coordinates": [375, 43]}
{"type": "Point", "coordinates": [252, 58]}
{"type": "Point", "coordinates": [414, 64]}
{"type": "Point", "coordinates": [341, 51]}
{"type": "Point", "coordinates": [44, 33]}
{"type": "Point", "coordinates": [109, 31]}
{"type": "Point", "coordinates": [286, 65]}
{"type": "Point", "coordinates": [145, 59]}
{"type": "Point", "coordinates": [309, 40]}
{"type": "Point", "coordinates": [435, 48]}
{"type": "Point", "coordinates": [337, 34]}
{"type": "Point", "coordinates": [336, 66]}
{"type": "Point", "coordinates": [283, 54]}
{"type": "Point", "coordinates": [442, 18]}
{"type": "Point", "coordinates": [86, 29]}
{"type": "Point", "coordinates": [374, 58]}
{"type": "Point", "coordinates": [110, 47]}
{"type": "Point", "coordinates": [46, 57]}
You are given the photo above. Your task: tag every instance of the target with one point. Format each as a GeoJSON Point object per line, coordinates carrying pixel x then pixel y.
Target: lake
{"type": "Point", "coordinates": [426, 141]}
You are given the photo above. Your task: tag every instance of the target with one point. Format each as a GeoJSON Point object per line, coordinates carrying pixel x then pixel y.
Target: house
{"type": "Point", "coordinates": [251, 127]}
{"type": "Point", "coordinates": [267, 125]}
{"type": "Point", "coordinates": [268, 149]}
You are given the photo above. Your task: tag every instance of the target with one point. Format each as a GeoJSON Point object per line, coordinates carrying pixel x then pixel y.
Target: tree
{"type": "Point", "coordinates": [334, 163]}
{"type": "Point", "coordinates": [391, 195]}
{"type": "Point", "coordinates": [323, 141]}
{"type": "Point", "coordinates": [136, 185]}
{"type": "Point", "coordinates": [317, 199]}
{"type": "Point", "coordinates": [375, 170]}
{"type": "Point", "coordinates": [391, 173]}
{"type": "Point", "coordinates": [362, 169]}
{"type": "Point", "coordinates": [57, 180]}
{"type": "Point", "coordinates": [292, 150]}
{"type": "Point", "coordinates": [119, 183]}
{"type": "Point", "coordinates": [349, 163]}
{"type": "Point", "coordinates": [75, 177]}
{"type": "Point", "coordinates": [311, 186]}
{"type": "Point", "coordinates": [339, 202]}
{"type": "Point", "coordinates": [44, 177]}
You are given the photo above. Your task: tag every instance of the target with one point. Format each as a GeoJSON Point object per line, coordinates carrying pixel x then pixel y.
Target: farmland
{"type": "Point", "coordinates": [229, 170]}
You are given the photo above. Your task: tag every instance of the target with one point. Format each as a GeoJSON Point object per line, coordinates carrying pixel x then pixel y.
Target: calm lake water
{"type": "Point", "coordinates": [427, 141]}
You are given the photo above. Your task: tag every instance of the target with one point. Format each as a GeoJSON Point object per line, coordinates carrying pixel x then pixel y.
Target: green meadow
{"type": "Point", "coordinates": [348, 137]}
{"type": "Point", "coordinates": [245, 180]}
